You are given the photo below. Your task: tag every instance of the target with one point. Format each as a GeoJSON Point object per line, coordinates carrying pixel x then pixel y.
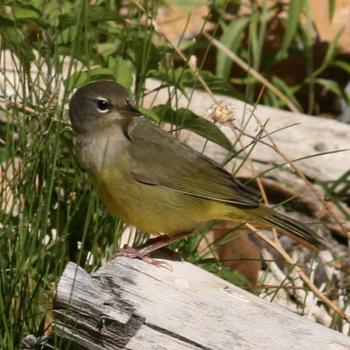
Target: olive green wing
{"type": "Point", "coordinates": [159, 159]}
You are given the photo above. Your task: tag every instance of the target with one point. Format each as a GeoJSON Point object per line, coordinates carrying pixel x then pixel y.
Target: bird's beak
{"type": "Point", "coordinates": [130, 111]}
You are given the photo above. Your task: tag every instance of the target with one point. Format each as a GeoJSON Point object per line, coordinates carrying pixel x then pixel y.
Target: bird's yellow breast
{"type": "Point", "coordinates": [151, 208]}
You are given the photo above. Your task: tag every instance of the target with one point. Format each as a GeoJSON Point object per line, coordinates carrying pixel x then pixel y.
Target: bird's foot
{"type": "Point", "coordinates": [141, 254]}
{"type": "Point", "coordinates": [154, 248]}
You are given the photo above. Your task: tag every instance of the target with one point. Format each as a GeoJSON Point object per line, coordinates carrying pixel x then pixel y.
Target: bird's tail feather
{"type": "Point", "coordinates": [293, 227]}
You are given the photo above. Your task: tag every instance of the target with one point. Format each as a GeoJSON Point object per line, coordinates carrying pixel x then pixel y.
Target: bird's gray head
{"type": "Point", "coordinates": [98, 104]}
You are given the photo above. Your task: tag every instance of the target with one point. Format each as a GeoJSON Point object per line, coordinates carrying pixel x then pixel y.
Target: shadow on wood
{"type": "Point", "coordinates": [128, 304]}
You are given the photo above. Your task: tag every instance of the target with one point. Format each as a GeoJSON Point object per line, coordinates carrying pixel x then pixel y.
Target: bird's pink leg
{"type": "Point", "coordinates": [152, 245]}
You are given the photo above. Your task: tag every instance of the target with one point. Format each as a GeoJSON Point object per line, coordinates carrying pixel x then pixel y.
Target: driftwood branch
{"type": "Point", "coordinates": [308, 135]}
{"type": "Point", "coordinates": [129, 304]}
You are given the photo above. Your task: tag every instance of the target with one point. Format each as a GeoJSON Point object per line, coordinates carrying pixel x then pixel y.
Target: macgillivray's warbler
{"type": "Point", "coordinates": [151, 180]}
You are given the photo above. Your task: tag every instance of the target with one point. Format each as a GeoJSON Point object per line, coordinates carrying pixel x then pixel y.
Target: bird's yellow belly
{"type": "Point", "coordinates": [153, 209]}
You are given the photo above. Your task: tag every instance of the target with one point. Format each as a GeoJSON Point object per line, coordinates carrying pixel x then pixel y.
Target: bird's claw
{"type": "Point", "coordinates": [133, 253]}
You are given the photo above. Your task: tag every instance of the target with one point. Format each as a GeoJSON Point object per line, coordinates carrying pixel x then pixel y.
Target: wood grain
{"type": "Point", "coordinates": [128, 304]}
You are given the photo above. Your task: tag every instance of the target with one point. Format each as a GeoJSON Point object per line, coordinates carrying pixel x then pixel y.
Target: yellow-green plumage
{"type": "Point", "coordinates": [149, 179]}
{"type": "Point", "coordinates": [149, 209]}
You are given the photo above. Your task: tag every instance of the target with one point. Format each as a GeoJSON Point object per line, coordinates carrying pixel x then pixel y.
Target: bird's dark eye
{"type": "Point", "coordinates": [102, 105]}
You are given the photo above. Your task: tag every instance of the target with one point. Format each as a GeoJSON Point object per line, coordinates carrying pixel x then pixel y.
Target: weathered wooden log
{"type": "Point", "coordinates": [128, 304]}
{"type": "Point", "coordinates": [309, 135]}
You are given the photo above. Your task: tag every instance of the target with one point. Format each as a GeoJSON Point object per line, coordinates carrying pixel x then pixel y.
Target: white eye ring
{"type": "Point", "coordinates": [102, 105]}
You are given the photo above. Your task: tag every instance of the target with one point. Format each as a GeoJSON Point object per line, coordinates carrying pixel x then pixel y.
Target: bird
{"type": "Point", "coordinates": [149, 179]}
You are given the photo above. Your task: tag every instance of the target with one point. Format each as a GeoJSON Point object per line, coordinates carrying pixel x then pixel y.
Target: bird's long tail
{"type": "Point", "coordinates": [291, 227]}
